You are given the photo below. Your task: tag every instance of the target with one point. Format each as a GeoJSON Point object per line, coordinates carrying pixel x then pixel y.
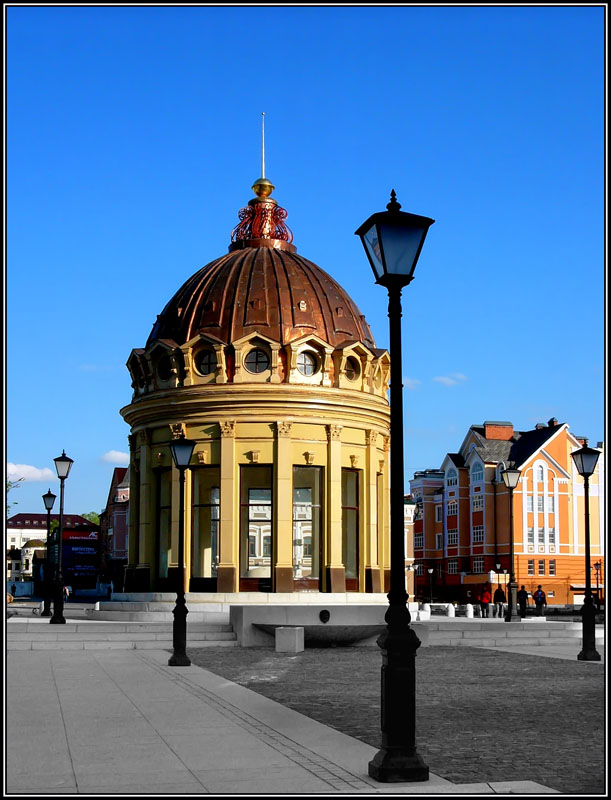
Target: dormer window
{"type": "Point", "coordinates": [352, 369]}
{"type": "Point", "coordinates": [164, 368]}
{"type": "Point", "coordinates": [307, 363]}
{"type": "Point", "coordinates": [257, 361]}
{"type": "Point", "coordinates": [205, 362]}
{"type": "Point", "coordinates": [477, 473]}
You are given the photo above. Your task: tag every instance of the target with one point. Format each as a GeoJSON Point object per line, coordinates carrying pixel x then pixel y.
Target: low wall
{"type": "Point", "coordinates": [346, 624]}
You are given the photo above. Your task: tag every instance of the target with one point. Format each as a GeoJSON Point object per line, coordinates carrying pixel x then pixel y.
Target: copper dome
{"type": "Point", "coordinates": [266, 289]}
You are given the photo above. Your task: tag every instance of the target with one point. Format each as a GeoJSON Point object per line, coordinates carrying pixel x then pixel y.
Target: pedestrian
{"type": "Point", "coordinates": [13, 590]}
{"type": "Point", "coordinates": [499, 600]}
{"type": "Point", "coordinates": [66, 592]}
{"type": "Point", "coordinates": [522, 598]}
{"type": "Point", "coordinates": [485, 599]}
{"type": "Point", "coordinates": [540, 601]}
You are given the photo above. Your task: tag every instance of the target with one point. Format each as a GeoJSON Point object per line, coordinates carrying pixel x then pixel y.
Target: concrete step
{"type": "Point", "coordinates": [41, 635]}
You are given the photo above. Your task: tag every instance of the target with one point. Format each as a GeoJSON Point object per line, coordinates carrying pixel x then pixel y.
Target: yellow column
{"type": "Point", "coordinates": [384, 533]}
{"type": "Point", "coordinates": [133, 536]}
{"type": "Point", "coordinates": [335, 573]}
{"type": "Point", "coordinates": [283, 510]}
{"type": "Point", "coordinates": [372, 571]}
{"type": "Point", "coordinates": [229, 545]}
{"type": "Point", "coordinates": [146, 554]}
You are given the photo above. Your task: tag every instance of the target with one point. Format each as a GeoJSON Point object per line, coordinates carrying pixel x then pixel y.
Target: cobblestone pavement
{"type": "Point", "coordinates": [481, 715]}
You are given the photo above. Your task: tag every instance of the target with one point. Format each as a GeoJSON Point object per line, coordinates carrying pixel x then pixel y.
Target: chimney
{"type": "Point", "coordinates": [498, 430]}
{"type": "Point", "coordinates": [552, 422]}
{"type": "Point", "coordinates": [539, 426]}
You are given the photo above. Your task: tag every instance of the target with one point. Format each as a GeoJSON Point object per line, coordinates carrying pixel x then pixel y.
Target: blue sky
{"type": "Point", "coordinates": [133, 137]}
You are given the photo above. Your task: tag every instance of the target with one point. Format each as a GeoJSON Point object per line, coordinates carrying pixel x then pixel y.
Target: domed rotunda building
{"type": "Point", "coordinates": [266, 362]}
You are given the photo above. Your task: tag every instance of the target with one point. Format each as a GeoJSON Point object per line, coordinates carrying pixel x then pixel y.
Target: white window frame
{"type": "Point", "coordinates": [439, 513]}
{"type": "Point", "coordinates": [530, 535]}
{"type": "Point", "coordinates": [552, 567]}
{"type": "Point", "coordinates": [530, 504]}
{"type": "Point", "coordinates": [477, 502]}
{"type": "Point", "coordinates": [541, 567]}
{"type": "Point", "coordinates": [531, 566]}
{"type": "Point", "coordinates": [452, 479]}
{"type": "Point", "coordinates": [418, 541]}
{"type": "Point", "coordinates": [439, 541]}
{"type": "Point", "coordinates": [478, 565]}
{"type": "Point", "coordinates": [452, 508]}
{"type": "Point", "coordinates": [479, 534]}
{"type": "Point", "coordinates": [453, 536]}
{"type": "Point", "coordinates": [453, 566]}
{"type": "Point", "coordinates": [477, 470]}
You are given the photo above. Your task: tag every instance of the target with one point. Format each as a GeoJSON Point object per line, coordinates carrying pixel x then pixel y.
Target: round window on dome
{"type": "Point", "coordinates": [307, 363]}
{"type": "Point", "coordinates": [164, 368]}
{"type": "Point", "coordinates": [205, 362]}
{"type": "Point", "coordinates": [256, 361]}
{"type": "Point", "coordinates": [352, 369]}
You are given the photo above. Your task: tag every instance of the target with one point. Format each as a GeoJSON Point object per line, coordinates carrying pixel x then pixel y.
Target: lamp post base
{"type": "Point", "coordinates": [398, 760]}
{"type": "Point", "coordinates": [58, 606]}
{"type": "Point", "coordinates": [179, 660]}
{"type": "Point", "coordinates": [588, 622]}
{"type": "Point", "coordinates": [46, 608]}
{"type": "Point", "coordinates": [392, 766]}
{"type": "Point", "coordinates": [179, 633]}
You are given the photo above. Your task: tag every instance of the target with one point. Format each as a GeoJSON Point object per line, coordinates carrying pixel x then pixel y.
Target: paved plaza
{"type": "Point", "coordinates": [120, 721]}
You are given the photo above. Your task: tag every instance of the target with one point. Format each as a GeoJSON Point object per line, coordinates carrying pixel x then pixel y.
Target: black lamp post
{"type": "Point", "coordinates": [393, 240]}
{"type": "Point", "coordinates": [585, 460]}
{"type": "Point", "coordinates": [63, 465]}
{"type": "Point", "coordinates": [511, 477]}
{"type": "Point", "coordinates": [597, 567]}
{"type": "Point", "coordinates": [182, 450]}
{"type": "Point", "coordinates": [430, 571]}
{"type": "Point", "coordinates": [48, 499]}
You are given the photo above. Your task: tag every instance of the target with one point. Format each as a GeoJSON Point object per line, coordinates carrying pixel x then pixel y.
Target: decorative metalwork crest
{"type": "Point", "coordinates": [262, 220]}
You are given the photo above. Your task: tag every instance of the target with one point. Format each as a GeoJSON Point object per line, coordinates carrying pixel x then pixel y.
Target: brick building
{"type": "Point", "coordinates": [462, 521]}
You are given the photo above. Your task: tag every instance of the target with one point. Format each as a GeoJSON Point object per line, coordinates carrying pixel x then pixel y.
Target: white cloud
{"type": "Point", "coordinates": [452, 379]}
{"type": "Point", "coordinates": [116, 457]}
{"type": "Point", "coordinates": [411, 383]}
{"type": "Point", "coordinates": [28, 473]}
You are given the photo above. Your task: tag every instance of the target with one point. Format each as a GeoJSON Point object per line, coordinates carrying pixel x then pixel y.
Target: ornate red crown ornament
{"type": "Point", "coordinates": [262, 221]}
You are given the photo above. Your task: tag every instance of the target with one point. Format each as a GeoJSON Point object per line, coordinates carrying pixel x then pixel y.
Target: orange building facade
{"type": "Point", "coordinates": [462, 519]}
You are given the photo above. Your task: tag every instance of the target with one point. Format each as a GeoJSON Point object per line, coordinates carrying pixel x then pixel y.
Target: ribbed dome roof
{"type": "Point", "coordinates": [266, 289]}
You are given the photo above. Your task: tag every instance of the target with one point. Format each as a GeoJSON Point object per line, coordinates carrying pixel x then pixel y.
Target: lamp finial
{"type": "Point", "coordinates": [393, 205]}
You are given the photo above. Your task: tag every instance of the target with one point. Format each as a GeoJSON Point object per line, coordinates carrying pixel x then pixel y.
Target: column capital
{"type": "Point", "coordinates": [371, 437]}
{"type": "Point", "coordinates": [178, 430]}
{"type": "Point", "coordinates": [334, 432]}
{"type": "Point", "coordinates": [228, 428]}
{"type": "Point", "coordinates": [284, 428]}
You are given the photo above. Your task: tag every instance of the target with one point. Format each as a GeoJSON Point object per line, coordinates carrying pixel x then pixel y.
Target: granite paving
{"type": "Point", "coordinates": [482, 715]}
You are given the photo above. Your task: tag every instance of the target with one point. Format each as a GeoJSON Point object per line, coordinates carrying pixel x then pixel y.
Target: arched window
{"type": "Point", "coordinates": [540, 474]}
{"type": "Point", "coordinates": [451, 478]}
{"type": "Point", "coordinates": [477, 473]}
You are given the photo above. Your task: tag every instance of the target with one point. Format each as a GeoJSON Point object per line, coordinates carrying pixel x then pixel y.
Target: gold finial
{"type": "Point", "coordinates": [262, 187]}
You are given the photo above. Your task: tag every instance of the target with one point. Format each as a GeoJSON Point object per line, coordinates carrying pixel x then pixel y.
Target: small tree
{"type": "Point", "coordinates": [92, 517]}
{"type": "Point", "coordinates": [12, 485]}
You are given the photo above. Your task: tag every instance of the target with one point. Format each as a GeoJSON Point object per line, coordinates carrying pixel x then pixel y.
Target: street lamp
{"type": "Point", "coordinates": [511, 477]}
{"type": "Point", "coordinates": [63, 465]}
{"type": "Point", "coordinates": [430, 571]}
{"type": "Point", "coordinates": [392, 240]}
{"type": "Point", "coordinates": [585, 460]}
{"type": "Point", "coordinates": [48, 499]}
{"type": "Point", "coordinates": [182, 450]}
{"type": "Point", "coordinates": [597, 567]}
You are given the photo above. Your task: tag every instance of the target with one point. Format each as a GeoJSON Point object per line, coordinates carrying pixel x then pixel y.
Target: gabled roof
{"type": "Point", "coordinates": [519, 449]}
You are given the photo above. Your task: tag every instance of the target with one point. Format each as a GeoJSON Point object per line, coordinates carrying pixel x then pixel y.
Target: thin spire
{"type": "Point", "coordinates": [263, 144]}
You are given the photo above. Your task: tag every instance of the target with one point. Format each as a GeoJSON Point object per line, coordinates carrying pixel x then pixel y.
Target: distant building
{"type": "Point", "coordinates": [462, 521]}
{"type": "Point", "coordinates": [114, 521]}
{"type": "Point", "coordinates": [27, 533]}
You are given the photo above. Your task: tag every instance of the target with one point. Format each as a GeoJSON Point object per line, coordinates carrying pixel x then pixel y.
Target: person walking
{"type": "Point", "coordinates": [540, 601]}
{"type": "Point", "coordinates": [499, 600]}
{"type": "Point", "coordinates": [485, 600]}
{"type": "Point", "coordinates": [522, 600]}
{"type": "Point", "coordinates": [13, 590]}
